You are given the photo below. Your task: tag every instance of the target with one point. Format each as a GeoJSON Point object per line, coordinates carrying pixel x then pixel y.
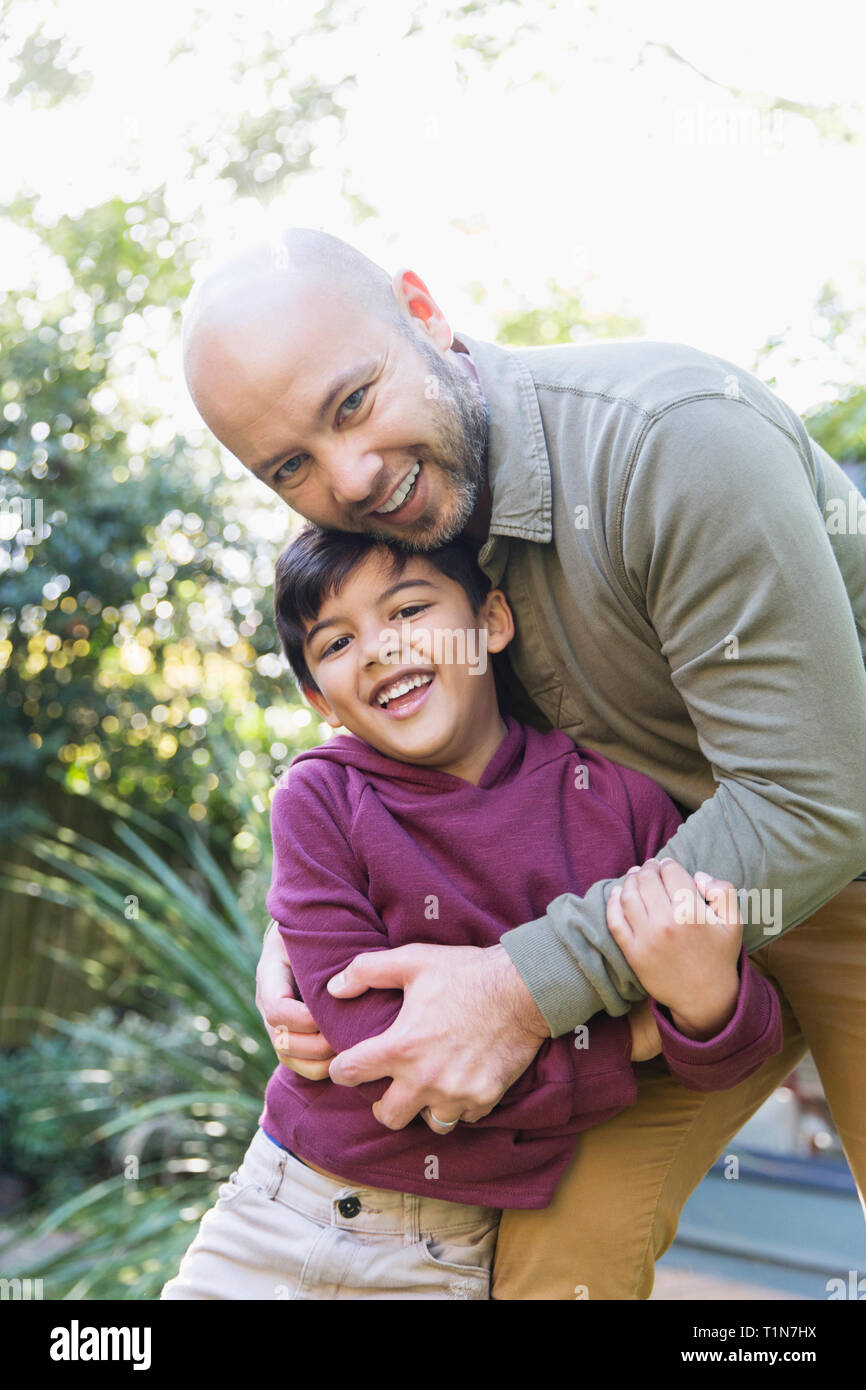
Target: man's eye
{"type": "Point", "coordinates": [354, 401]}
{"type": "Point", "coordinates": [334, 647]}
{"type": "Point", "coordinates": [292, 467]}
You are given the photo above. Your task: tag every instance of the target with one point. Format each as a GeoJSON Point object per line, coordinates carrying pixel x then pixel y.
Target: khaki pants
{"type": "Point", "coordinates": [281, 1230]}
{"type": "Point", "coordinates": [616, 1209]}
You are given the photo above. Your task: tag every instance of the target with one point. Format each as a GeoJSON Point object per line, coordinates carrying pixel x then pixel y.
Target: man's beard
{"type": "Point", "coordinates": [460, 453]}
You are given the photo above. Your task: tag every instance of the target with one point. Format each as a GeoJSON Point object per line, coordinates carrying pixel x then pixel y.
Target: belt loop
{"type": "Point", "coordinates": [411, 1218]}
{"type": "Point", "coordinates": [278, 1169]}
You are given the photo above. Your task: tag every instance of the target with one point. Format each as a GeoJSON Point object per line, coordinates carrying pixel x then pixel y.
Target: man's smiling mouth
{"type": "Point", "coordinates": [401, 493]}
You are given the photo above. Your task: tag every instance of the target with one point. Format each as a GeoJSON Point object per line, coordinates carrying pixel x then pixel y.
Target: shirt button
{"type": "Point", "coordinates": [349, 1206]}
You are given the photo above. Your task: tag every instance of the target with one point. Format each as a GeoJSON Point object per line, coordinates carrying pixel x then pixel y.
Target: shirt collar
{"type": "Point", "coordinates": [518, 462]}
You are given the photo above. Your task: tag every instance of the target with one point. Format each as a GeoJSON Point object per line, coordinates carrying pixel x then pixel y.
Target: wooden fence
{"type": "Point", "coordinates": [30, 978]}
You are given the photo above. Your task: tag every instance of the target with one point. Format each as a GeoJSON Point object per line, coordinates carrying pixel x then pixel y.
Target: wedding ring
{"type": "Point", "coordinates": [446, 1124]}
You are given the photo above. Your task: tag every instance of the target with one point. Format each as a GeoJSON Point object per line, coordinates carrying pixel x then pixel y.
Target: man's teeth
{"type": "Point", "coordinates": [399, 497]}
{"type": "Point", "coordinates": [392, 692]}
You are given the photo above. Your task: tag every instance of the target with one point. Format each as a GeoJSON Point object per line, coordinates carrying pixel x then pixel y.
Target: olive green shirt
{"type": "Point", "coordinates": [689, 602]}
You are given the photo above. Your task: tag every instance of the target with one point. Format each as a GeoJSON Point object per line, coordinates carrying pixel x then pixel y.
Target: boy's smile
{"type": "Point", "coordinates": [403, 696]}
{"type": "Point", "coordinates": [395, 658]}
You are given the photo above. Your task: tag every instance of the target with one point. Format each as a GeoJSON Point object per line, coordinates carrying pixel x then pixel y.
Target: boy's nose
{"type": "Point", "coordinates": [380, 647]}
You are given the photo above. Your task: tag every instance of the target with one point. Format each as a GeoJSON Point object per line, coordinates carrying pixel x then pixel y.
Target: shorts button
{"type": "Point", "coordinates": [349, 1206]}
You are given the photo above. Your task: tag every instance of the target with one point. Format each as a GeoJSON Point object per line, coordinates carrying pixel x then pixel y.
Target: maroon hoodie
{"type": "Point", "coordinates": [372, 853]}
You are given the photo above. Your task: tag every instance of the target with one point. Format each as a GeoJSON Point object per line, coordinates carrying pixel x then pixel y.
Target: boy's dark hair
{"type": "Point", "coordinates": [316, 564]}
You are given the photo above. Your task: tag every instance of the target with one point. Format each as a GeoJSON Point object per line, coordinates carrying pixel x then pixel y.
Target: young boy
{"type": "Point", "coordinates": [436, 818]}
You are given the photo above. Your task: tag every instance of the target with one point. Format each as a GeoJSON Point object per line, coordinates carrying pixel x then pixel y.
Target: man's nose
{"type": "Point", "coordinates": [353, 476]}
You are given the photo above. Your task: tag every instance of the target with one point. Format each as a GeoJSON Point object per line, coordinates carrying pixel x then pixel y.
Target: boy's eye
{"type": "Point", "coordinates": [410, 609]}
{"type": "Point", "coordinates": [334, 647]}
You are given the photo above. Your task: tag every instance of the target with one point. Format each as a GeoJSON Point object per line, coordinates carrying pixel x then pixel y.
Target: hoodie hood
{"type": "Point", "coordinates": [522, 751]}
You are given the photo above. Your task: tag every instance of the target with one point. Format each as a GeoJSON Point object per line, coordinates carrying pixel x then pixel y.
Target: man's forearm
{"type": "Point", "coordinates": [571, 964]}
{"type": "Point", "coordinates": [723, 536]}
{"type": "Point", "coordinates": [573, 967]}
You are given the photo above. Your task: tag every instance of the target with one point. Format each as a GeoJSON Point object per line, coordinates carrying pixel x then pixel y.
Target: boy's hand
{"type": "Point", "coordinates": [294, 1036]}
{"type": "Point", "coordinates": [645, 1039]}
{"type": "Point", "coordinates": [682, 937]}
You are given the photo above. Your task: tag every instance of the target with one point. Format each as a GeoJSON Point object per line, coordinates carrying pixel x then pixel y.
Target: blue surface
{"type": "Point", "coordinates": [785, 1223]}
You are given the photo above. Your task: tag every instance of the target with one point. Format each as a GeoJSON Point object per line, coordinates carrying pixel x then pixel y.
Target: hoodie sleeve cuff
{"type": "Point", "coordinates": [750, 1037]}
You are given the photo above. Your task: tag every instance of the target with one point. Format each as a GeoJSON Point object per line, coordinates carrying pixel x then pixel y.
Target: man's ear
{"type": "Point", "coordinates": [497, 617]}
{"type": "Point", "coordinates": [415, 299]}
{"type": "Point", "coordinates": [321, 706]}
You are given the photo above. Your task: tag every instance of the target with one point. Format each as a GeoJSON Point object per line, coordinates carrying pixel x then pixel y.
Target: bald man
{"type": "Point", "coordinates": [661, 524]}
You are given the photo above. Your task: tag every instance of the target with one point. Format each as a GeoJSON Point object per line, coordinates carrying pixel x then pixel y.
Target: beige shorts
{"type": "Point", "coordinates": [280, 1230]}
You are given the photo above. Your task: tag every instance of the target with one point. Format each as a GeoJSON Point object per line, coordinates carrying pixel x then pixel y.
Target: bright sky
{"type": "Point", "coordinates": [654, 191]}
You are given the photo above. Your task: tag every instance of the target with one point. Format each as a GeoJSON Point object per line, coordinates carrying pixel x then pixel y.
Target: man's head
{"type": "Point", "coordinates": [393, 644]}
{"type": "Point", "coordinates": [338, 387]}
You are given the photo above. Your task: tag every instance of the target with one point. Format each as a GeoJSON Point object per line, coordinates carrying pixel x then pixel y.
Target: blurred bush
{"type": "Point", "coordinates": [55, 1092]}
{"type": "Point", "coordinates": [154, 1100]}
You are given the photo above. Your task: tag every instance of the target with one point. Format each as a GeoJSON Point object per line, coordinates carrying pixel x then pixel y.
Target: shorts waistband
{"type": "Point", "coordinates": [354, 1206]}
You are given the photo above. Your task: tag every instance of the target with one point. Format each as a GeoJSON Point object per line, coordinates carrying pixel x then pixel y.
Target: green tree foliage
{"type": "Point", "coordinates": [840, 426]}
{"type": "Point", "coordinates": [563, 318]}
{"type": "Point", "coordinates": [46, 67]}
{"type": "Point", "coordinates": [838, 422]}
{"type": "Point", "coordinates": [135, 602]}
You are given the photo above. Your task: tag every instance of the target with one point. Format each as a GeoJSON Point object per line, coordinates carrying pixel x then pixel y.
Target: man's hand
{"type": "Point", "coordinates": [293, 1034]}
{"type": "Point", "coordinates": [468, 1028]}
{"type": "Point", "coordinates": [682, 937]}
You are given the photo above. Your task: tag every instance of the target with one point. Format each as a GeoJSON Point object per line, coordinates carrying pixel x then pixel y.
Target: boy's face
{"type": "Point", "coordinates": [385, 630]}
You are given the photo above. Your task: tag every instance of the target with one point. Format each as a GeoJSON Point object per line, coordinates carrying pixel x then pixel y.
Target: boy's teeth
{"type": "Point", "coordinates": [399, 497]}
{"type": "Point", "coordinates": [402, 687]}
